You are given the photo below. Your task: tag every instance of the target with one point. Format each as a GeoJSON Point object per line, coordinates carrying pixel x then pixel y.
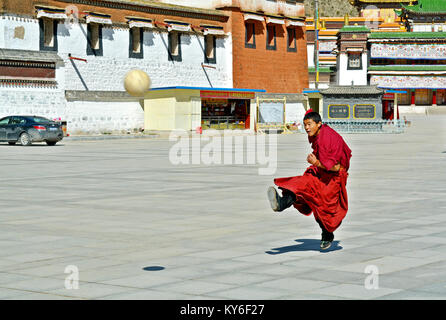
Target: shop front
{"type": "Point", "coordinates": [196, 108]}
{"type": "Point", "coordinates": [226, 109]}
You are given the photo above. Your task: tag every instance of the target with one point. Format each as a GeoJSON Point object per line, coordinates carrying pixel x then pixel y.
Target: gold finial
{"type": "Point", "coordinates": [323, 24]}
{"type": "Point", "coordinates": [346, 19]}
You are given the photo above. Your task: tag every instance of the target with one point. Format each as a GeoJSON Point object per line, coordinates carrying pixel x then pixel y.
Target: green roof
{"type": "Point", "coordinates": [407, 35]}
{"type": "Point", "coordinates": [408, 68]}
{"type": "Point", "coordinates": [321, 69]}
{"type": "Point", "coordinates": [426, 6]}
{"type": "Point", "coordinates": [354, 29]}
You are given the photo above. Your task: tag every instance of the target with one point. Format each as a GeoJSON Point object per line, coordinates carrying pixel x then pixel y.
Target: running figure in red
{"type": "Point", "coordinates": [321, 190]}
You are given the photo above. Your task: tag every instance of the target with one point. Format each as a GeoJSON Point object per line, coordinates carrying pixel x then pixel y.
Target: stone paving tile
{"type": "Point", "coordinates": [251, 293]}
{"type": "Point", "coordinates": [122, 215]}
{"type": "Point", "coordinates": [142, 281]}
{"type": "Point", "coordinates": [351, 291]}
{"type": "Point", "coordinates": [35, 284]}
{"type": "Point", "coordinates": [295, 284]}
{"type": "Point", "coordinates": [413, 295]}
{"type": "Point", "coordinates": [237, 278]}
{"type": "Point", "coordinates": [90, 290]}
{"type": "Point", "coordinates": [147, 294]}
{"type": "Point", "coordinates": [194, 287]}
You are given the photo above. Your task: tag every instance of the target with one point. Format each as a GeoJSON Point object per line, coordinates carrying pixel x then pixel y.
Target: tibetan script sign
{"type": "Point", "coordinates": [339, 111]}
{"type": "Point", "coordinates": [364, 111]}
{"type": "Point", "coordinates": [227, 94]}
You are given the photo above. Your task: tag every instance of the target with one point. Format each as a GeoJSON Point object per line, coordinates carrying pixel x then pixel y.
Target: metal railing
{"type": "Point", "coordinates": [366, 126]}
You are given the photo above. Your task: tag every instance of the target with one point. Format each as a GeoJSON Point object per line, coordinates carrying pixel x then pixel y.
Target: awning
{"type": "Point", "coordinates": [135, 22]}
{"type": "Point", "coordinates": [357, 50]}
{"type": "Point", "coordinates": [177, 26]}
{"type": "Point", "coordinates": [249, 16]}
{"type": "Point", "coordinates": [51, 13]}
{"type": "Point", "coordinates": [216, 31]}
{"type": "Point", "coordinates": [98, 18]}
{"type": "Point", "coordinates": [291, 23]}
{"type": "Point", "coordinates": [270, 20]}
{"type": "Point", "coordinates": [140, 24]}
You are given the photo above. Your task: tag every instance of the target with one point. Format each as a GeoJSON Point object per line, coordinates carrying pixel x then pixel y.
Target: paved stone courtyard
{"type": "Point", "coordinates": [138, 227]}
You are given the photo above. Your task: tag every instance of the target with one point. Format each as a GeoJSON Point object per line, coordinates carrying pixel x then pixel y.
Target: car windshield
{"type": "Point", "coordinates": [41, 120]}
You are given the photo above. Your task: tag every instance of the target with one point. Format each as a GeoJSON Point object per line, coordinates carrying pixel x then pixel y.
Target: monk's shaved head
{"type": "Point", "coordinates": [315, 116]}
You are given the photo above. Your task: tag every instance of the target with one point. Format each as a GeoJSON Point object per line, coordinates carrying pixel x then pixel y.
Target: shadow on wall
{"type": "Point", "coordinates": [107, 34]}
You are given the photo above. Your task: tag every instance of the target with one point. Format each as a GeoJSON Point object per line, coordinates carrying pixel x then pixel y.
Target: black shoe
{"type": "Point", "coordinates": [279, 203]}
{"type": "Point", "coordinates": [273, 198]}
{"type": "Point", "coordinates": [325, 244]}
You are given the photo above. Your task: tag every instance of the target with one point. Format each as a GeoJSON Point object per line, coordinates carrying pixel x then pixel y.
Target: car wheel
{"type": "Point", "coordinates": [51, 143]}
{"type": "Point", "coordinates": [12, 143]}
{"type": "Point", "coordinates": [25, 139]}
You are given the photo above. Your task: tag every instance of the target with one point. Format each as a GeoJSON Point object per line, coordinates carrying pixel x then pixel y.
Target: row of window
{"type": "Point", "coordinates": [386, 61]}
{"type": "Point", "coordinates": [48, 42]}
{"type": "Point", "coordinates": [271, 37]}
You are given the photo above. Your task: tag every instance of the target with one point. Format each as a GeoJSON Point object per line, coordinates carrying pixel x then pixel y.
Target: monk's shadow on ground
{"type": "Point", "coordinates": [305, 245]}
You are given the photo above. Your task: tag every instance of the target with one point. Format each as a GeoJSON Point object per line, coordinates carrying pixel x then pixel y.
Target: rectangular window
{"type": "Point", "coordinates": [48, 34]}
{"type": "Point", "coordinates": [174, 46]}
{"type": "Point", "coordinates": [291, 43]}
{"type": "Point", "coordinates": [271, 37]}
{"type": "Point", "coordinates": [250, 35]}
{"type": "Point", "coordinates": [354, 61]}
{"type": "Point", "coordinates": [210, 49]}
{"type": "Point", "coordinates": [94, 39]}
{"type": "Point", "coordinates": [135, 43]}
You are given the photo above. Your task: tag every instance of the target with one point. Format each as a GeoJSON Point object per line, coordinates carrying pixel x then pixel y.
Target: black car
{"type": "Point", "coordinates": [29, 129]}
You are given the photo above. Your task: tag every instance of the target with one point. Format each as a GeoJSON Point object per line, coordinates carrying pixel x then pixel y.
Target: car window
{"type": "Point", "coordinates": [15, 120]}
{"type": "Point", "coordinates": [4, 120]}
{"type": "Point", "coordinates": [41, 120]}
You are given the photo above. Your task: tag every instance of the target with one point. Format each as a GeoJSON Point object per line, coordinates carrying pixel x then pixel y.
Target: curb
{"type": "Point", "coordinates": [109, 137]}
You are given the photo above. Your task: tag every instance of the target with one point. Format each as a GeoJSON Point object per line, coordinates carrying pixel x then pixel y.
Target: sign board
{"type": "Point", "coordinates": [388, 96]}
{"type": "Point", "coordinates": [364, 111]}
{"type": "Point", "coordinates": [227, 94]}
{"type": "Point", "coordinates": [338, 111]}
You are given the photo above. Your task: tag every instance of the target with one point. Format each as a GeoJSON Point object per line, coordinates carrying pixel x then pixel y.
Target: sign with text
{"type": "Point", "coordinates": [227, 94]}
{"type": "Point", "coordinates": [364, 111]}
{"type": "Point", "coordinates": [339, 111]}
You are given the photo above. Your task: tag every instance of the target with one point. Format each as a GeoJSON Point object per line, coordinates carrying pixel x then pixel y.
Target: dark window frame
{"type": "Point", "coordinates": [177, 57]}
{"type": "Point", "coordinates": [268, 46]}
{"type": "Point", "coordinates": [140, 54]}
{"type": "Point", "coordinates": [252, 43]}
{"type": "Point", "coordinates": [90, 51]}
{"type": "Point", "coordinates": [42, 36]}
{"type": "Point", "coordinates": [349, 57]}
{"type": "Point", "coordinates": [212, 60]}
{"type": "Point", "coordinates": [294, 48]}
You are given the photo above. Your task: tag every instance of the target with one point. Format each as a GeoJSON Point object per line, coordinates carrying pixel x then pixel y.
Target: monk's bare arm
{"type": "Point", "coordinates": [335, 168]}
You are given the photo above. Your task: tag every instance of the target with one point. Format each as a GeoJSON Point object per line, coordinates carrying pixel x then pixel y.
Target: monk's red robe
{"type": "Point", "coordinates": [320, 191]}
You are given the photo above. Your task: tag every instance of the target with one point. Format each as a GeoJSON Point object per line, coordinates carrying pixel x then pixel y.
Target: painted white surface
{"type": "Point", "coordinates": [9, 30]}
{"type": "Point", "coordinates": [310, 55]}
{"type": "Point", "coordinates": [106, 73]}
{"type": "Point", "coordinates": [100, 117]}
{"type": "Point", "coordinates": [345, 77]}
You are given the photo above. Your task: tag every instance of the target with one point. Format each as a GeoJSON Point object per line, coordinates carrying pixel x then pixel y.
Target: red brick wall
{"type": "Point", "coordinates": [274, 71]}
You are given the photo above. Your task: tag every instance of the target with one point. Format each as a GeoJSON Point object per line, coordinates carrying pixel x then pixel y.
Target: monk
{"type": "Point", "coordinates": [321, 190]}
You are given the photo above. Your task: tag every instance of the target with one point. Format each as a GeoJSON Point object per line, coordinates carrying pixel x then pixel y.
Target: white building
{"type": "Point", "coordinates": [69, 61]}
